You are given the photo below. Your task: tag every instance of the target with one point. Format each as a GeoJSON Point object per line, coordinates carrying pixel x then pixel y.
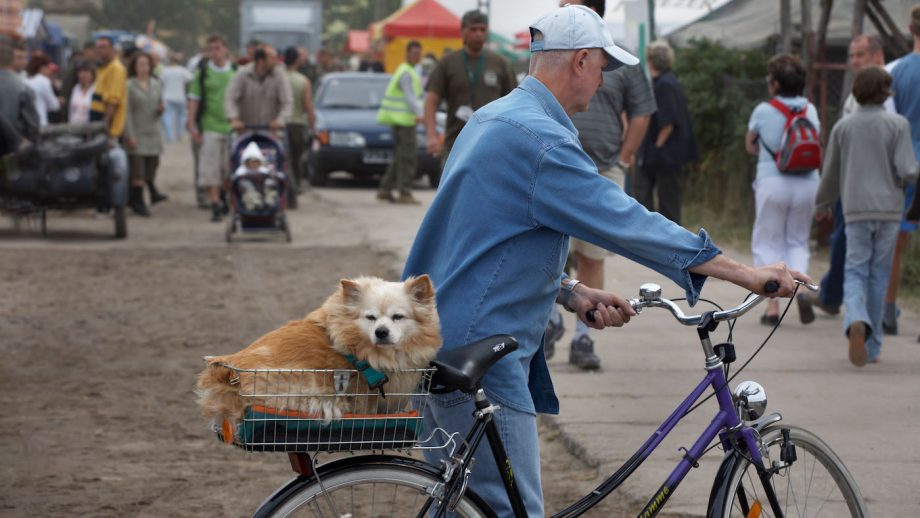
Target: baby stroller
{"type": "Point", "coordinates": [257, 197]}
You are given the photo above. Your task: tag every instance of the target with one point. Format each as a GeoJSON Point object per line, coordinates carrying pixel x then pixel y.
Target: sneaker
{"type": "Point", "coordinates": [582, 354]}
{"type": "Point", "coordinates": [890, 319]}
{"type": "Point", "coordinates": [806, 312]}
{"type": "Point", "coordinates": [552, 335]}
{"type": "Point", "coordinates": [856, 335]}
{"type": "Point", "coordinates": [217, 212]}
{"type": "Point", "coordinates": [890, 329]}
{"type": "Point", "coordinates": [815, 301]}
{"type": "Point", "coordinates": [769, 320]}
{"type": "Point", "coordinates": [385, 195]}
{"type": "Point", "coordinates": [406, 198]}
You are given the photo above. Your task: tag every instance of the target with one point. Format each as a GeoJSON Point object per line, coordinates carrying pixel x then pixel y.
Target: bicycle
{"type": "Point", "coordinates": [769, 469]}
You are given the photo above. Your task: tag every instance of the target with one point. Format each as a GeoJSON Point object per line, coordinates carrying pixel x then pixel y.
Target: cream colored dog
{"type": "Point", "coordinates": [392, 326]}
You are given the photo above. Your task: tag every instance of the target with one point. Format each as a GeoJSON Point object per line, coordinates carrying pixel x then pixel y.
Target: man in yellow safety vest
{"type": "Point", "coordinates": [401, 109]}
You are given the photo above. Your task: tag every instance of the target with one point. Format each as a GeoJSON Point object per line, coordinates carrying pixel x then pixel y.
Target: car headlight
{"type": "Point", "coordinates": [346, 139]}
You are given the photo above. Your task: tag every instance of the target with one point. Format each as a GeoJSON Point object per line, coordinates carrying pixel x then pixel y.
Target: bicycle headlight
{"type": "Point", "coordinates": [751, 399]}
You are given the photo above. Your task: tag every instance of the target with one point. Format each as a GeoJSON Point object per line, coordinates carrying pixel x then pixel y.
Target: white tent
{"type": "Point", "coordinates": [750, 23]}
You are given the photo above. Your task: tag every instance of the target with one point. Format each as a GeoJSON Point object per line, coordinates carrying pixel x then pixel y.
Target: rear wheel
{"type": "Point", "coordinates": [316, 174]}
{"type": "Point", "coordinates": [230, 229]}
{"type": "Point", "coordinates": [121, 222]}
{"type": "Point", "coordinates": [396, 487]}
{"type": "Point", "coordinates": [815, 484]}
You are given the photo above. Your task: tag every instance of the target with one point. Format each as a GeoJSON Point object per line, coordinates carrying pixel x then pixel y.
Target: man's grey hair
{"type": "Point", "coordinates": [660, 55]}
{"type": "Point", "coordinates": [549, 60]}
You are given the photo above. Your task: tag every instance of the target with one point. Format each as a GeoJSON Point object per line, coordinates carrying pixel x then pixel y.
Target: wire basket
{"type": "Point", "coordinates": [313, 410]}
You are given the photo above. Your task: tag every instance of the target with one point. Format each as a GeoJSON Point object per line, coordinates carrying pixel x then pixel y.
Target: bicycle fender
{"type": "Point", "coordinates": [720, 484]}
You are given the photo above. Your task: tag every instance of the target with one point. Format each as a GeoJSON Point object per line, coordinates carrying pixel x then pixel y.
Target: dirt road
{"type": "Point", "coordinates": [101, 341]}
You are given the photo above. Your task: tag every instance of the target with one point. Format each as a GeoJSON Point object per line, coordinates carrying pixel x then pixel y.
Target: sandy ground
{"type": "Point", "coordinates": [101, 340]}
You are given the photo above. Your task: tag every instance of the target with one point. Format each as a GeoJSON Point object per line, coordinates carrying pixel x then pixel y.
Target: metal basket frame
{"type": "Point", "coordinates": [330, 410]}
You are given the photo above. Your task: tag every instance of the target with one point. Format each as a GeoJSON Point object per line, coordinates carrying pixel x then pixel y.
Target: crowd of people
{"type": "Point", "coordinates": [586, 146]}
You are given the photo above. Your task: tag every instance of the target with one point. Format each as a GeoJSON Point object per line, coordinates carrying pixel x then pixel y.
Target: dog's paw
{"type": "Point", "coordinates": [331, 412]}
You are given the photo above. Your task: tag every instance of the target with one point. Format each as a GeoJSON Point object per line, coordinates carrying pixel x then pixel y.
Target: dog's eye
{"type": "Point", "coordinates": [371, 317]}
{"type": "Point", "coordinates": [398, 316]}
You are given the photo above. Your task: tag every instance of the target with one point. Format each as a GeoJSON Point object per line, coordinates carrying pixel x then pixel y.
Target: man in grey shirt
{"type": "Point", "coordinates": [259, 94]}
{"type": "Point", "coordinates": [612, 148]}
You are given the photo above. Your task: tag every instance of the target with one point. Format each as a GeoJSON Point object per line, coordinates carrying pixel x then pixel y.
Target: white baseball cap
{"type": "Point", "coordinates": [576, 27]}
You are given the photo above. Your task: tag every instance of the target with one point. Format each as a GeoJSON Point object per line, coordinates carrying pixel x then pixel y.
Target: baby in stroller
{"type": "Point", "coordinates": [254, 182]}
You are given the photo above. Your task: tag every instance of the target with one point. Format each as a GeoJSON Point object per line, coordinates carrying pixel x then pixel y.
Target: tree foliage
{"type": "Point", "coordinates": [723, 86]}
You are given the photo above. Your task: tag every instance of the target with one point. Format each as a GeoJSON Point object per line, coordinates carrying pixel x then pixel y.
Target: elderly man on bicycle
{"type": "Point", "coordinates": [515, 186]}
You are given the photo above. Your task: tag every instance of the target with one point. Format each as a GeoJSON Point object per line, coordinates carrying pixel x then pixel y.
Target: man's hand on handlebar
{"type": "Point", "coordinates": [608, 309]}
{"type": "Point", "coordinates": [780, 275]}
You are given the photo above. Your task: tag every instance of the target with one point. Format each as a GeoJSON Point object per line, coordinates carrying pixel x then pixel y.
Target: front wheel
{"type": "Point", "coordinates": [385, 486]}
{"type": "Point", "coordinates": [815, 484]}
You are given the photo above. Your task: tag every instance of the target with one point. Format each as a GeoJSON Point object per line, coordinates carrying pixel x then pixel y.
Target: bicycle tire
{"type": "Point", "coordinates": [398, 484]}
{"type": "Point", "coordinates": [834, 493]}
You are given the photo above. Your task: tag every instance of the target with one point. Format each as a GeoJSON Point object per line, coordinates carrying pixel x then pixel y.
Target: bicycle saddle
{"type": "Point", "coordinates": [463, 367]}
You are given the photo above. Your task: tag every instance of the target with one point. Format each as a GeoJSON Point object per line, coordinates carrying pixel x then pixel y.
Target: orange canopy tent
{"type": "Point", "coordinates": [425, 21]}
{"type": "Point", "coordinates": [358, 41]}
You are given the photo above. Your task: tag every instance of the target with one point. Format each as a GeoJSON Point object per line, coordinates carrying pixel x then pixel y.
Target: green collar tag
{"type": "Point", "coordinates": [374, 378]}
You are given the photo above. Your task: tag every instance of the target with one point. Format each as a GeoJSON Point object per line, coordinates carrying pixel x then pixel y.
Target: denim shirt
{"type": "Point", "coordinates": [495, 238]}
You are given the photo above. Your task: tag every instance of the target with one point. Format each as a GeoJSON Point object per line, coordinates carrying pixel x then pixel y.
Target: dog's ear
{"type": "Point", "coordinates": [351, 290]}
{"type": "Point", "coordinates": [420, 288]}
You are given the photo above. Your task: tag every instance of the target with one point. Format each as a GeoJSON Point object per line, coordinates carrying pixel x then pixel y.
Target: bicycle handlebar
{"type": "Point", "coordinates": [650, 297]}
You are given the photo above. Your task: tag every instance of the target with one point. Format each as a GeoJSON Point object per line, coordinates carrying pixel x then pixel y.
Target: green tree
{"type": "Point", "coordinates": [342, 16]}
{"type": "Point", "coordinates": [723, 86]}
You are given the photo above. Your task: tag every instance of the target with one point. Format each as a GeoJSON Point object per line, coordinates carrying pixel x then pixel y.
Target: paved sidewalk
{"type": "Point", "coordinates": [869, 416]}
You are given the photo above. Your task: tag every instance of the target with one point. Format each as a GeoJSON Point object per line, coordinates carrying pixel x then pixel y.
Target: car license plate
{"type": "Point", "coordinates": [377, 157]}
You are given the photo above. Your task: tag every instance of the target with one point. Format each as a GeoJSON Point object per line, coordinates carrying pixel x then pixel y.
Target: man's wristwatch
{"type": "Point", "coordinates": [565, 293]}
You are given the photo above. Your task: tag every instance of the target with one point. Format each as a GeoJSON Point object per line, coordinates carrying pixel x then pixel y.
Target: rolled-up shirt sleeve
{"type": "Point", "coordinates": [571, 197]}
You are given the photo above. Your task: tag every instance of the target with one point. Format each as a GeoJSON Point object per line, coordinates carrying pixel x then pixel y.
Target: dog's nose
{"type": "Point", "coordinates": [382, 332]}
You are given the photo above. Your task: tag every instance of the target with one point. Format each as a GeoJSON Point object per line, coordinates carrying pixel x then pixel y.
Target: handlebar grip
{"type": "Point", "coordinates": [590, 315]}
{"type": "Point", "coordinates": [771, 287]}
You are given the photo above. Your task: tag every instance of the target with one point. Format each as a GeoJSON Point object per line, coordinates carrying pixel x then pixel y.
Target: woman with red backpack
{"type": "Point", "coordinates": [784, 135]}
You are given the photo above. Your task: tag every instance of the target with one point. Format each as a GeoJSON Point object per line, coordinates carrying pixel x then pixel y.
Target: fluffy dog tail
{"type": "Point", "coordinates": [218, 391]}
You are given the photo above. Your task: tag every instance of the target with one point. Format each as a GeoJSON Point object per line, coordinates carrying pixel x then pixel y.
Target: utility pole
{"type": "Point", "coordinates": [856, 28]}
{"type": "Point", "coordinates": [785, 25]}
{"type": "Point", "coordinates": [651, 20]}
{"type": "Point", "coordinates": [807, 34]}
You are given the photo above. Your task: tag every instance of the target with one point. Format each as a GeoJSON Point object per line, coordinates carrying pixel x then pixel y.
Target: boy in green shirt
{"type": "Point", "coordinates": [207, 123]}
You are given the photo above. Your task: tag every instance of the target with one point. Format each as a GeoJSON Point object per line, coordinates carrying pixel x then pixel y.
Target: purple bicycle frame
{"type": "Point", "coordinates": [727, 418]}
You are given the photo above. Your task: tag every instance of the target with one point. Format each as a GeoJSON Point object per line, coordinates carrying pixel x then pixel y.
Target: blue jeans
{"type": "Point", "coordinates": [831, 293]}
{"type": "Point", "coordinates": [174, 120]}
{"type": "Point", "coordinates": [870, 248]}
{"type": "Point", "coordinates": [453, 412]}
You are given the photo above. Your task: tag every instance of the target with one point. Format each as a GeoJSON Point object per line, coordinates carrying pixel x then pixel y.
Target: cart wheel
{"type": "Point", "coordinates": [43, 217]}
{"type": "Point", "coordinates": [231, 228]}
{"type": "Point", "coordinates": [121, 222]}
{"type": "Point", "coordinates": [286, 229]}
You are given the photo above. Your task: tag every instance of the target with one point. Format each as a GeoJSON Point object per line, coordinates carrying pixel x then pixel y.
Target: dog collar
{"type": "Point", "coordinates": [374, 378]}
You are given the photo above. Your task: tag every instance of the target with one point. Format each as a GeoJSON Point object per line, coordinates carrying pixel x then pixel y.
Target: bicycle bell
{"type": "Point", "coordinates": [649, 292]}
{"type": "Point", "coordinates": [751, 399]}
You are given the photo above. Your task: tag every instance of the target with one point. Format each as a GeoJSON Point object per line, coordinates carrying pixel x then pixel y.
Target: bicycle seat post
{"type": "Point", "coordinates": [707, 325]}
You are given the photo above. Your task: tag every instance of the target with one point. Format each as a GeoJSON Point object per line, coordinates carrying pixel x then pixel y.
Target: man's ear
{"type": "Point", "coordinates": [581, 60]}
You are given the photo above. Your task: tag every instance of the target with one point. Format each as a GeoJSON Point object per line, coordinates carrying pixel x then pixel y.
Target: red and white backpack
{"type": "Point", "coordinates": [800, 148]}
